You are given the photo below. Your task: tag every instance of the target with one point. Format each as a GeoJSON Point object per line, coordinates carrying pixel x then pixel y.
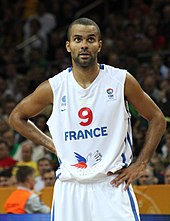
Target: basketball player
{"type": "Point", "coordinates": [91, 132]}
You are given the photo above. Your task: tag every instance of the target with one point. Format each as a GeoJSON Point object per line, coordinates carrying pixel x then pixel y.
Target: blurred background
{"type": "Point", "coordinates": [136, 37]}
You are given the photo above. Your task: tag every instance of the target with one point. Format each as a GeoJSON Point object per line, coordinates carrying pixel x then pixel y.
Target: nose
{"type": "Point", "coordinates": [84, 44]}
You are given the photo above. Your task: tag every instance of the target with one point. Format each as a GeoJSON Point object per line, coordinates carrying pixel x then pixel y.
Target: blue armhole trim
{"type": "Point", "coordinates": [101, 66]}
{"type": "Point", "coordinates": [69, 69]}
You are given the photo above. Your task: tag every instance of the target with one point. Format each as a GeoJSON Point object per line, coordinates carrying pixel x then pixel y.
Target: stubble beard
{"type": "Point", "coordinates": [84, 63]}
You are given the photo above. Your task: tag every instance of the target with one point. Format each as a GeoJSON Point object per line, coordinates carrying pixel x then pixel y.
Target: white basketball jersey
{"type": "Point", "coordinates": [90, 127]}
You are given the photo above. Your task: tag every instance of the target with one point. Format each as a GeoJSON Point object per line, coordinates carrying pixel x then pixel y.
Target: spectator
{"type": "Point", "coordinates": [10, 137]}
{"type": "Point", "coordinates": [40, 24]}
{"type": "Point", "coordinates": [13, 181]}
{"type": "Point", "coordinates": [165, 22]}
{"type": "Point", "coordinates": [167, 175]}
{"type": "Point", "coordinates": [158, 166]}
{"type": "Point", "coordinates": [3, 125]}
{"type": "Point", "coordinates": [47, 20]}
{"type": "Point", "coordinates": [158, 41]}
{"type": "Point", "coordinates": [138, 141]}
{"type": "Point", "coordinates": [5, 176]}
{"type": "Point", "coordinates": [43, 164]}
{"type": "Point", "coordinates": [39, 38]}
{"type": "Point", "coordinates": [54, 42]}
{"type": "Point", "coordinates": [26, 157]}
{"type": "Point", "coordinates": [150, 87]}
{"type": "Point", "coordinates": [49, 177]}
{"type": "Point", "coordinates": [8, 105]}
{"type": "Point", "coordinates": [6, 162]}
{"type": "Point", "coordinates": [164, 102]}
{"type": "Point", "coordinates": [159, 66]}
{"type": "Point", "coordinates": [4, 90]}
{"type": "Point", "coordinates": [4, 181]}
{"type": "Point", "coordinates": [148, 177]}
{"type": "Point", "coordinates": [38, 152]}
{"type": "Point", "coordinates": [20, 89]}
{"type": "Point", "coordinates": [23, 199]}
{"type": "Point", "coordinates": [37, 59]}
{"type": "Point", "coordinates": [11, 73]}
{"type": "Point", "coordinates": [166, 149]}
{"type": "Point", "coordinates": [40, 121]}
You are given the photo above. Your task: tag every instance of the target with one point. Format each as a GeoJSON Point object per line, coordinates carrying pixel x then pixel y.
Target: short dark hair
{"type": "Point", "coordinates": [43, 159]}
{"type": "Point", "coordinates": [23, 172]}
{"type": "Point", "coordinates": [83, 21]}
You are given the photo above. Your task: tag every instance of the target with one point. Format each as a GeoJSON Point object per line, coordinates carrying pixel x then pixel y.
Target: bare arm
{"type": "Point", "coordinates": [30, 107]}
{"type": "Point", "coordinates": [156, 127]}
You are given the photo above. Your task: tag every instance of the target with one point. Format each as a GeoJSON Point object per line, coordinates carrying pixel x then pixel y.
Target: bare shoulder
{"type": "Point", "coordinates": [139, 99]}
{"type": "Point", "coordinates": [43, 91]}
{"type": "Point", "coordinates": [131, 86]}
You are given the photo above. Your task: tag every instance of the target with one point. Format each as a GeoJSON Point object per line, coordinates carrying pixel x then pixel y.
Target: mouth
{"type": "Point", "coordinates": [84, 55]}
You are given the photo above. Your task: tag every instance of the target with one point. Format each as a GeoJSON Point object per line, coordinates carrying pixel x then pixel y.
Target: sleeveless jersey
{"type": "Point", "coordinates": [90, 127]}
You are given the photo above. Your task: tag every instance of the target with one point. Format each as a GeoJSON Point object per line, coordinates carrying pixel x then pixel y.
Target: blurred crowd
{"type": "Point", "coordinates": [136, 37]}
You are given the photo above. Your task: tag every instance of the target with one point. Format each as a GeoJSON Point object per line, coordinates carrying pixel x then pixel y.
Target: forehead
{"type": "Point", "coordinates": [83, 30]}
{"type": "Point", "coordinates": [43, 162]}
{"type": "Point", "coordinates": [3, 146]}
{"type": "Point", "coordinates": [50, 173]}
{"type": "Point", "coordinates": [26, 147]}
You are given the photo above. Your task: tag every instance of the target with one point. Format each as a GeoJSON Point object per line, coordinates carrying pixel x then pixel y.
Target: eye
{"type": "Point", "coordinates": [91, 39]}
{"type": "Point", "coordinates": [77, 39]}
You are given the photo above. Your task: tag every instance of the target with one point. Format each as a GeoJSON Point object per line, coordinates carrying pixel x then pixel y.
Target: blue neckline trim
{"type": "Point", "coordinates": [101, 68]}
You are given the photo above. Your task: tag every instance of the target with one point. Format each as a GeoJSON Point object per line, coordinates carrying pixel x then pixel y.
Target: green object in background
{"type": "Point", "coordinates": [133, 111]}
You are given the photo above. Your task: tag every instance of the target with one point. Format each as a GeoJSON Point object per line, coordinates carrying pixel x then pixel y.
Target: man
{"type": "Point", "coordinates": [9, 137]}
{"type": "Point", "coordinates": [147, 177]}
{"type": "Point", "coordinates": [43, 164]}
{"type": "Point", "coordinates": [26, 157]}
{"type": "Point", "coordinates": [23, 200]}
{"type": "Point", "coordinates": [6, 162]}
{"type": "Point", "coordinates": [167, 175]}
{"type": "Point", "coordinates": [91, 133]}
{"type": "Point", "coordinates": [49, 177]}
{"type": "Point", "coordinates": [5, 176]}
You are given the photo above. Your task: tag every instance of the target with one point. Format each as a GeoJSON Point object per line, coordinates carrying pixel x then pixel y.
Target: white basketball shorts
{"type": "Point", "coordinates": [98, 201]}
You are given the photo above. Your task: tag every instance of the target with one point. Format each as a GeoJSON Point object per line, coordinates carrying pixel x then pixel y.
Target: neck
{"type": "Point", "coordinates": [25, 185]}
{"type": "Point", "coordinates": [85, 76]}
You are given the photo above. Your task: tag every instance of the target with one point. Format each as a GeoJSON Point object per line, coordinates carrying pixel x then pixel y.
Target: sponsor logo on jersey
{"type": "Point", "coordinates": [91, 160]}
{"type": "Point", "coordinates": [110, 94]}
{"type": "Point", "coordinates": [63, 103]}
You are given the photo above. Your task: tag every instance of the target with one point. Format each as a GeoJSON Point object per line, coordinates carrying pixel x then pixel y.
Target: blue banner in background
{"type": "Point", "coordinates": [46, 217]}
{"type": "Point", "coordinates": [25, 217]}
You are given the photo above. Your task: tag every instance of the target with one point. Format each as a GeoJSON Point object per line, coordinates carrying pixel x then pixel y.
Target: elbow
{"type": "Point", "coordinates": [14, 119]}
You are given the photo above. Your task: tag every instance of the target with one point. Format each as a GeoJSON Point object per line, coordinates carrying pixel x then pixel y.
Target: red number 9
{"type": "Point", "coordinates": [86, 114]}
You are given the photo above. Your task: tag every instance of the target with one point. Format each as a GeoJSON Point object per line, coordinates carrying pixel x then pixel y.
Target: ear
{"type": "Point", "coordinates": [68, 46]}
{"type": "Point", "coordinates": [100, 45]}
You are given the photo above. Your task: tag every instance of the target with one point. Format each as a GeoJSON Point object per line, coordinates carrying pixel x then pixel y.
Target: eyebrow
{"type": "Point", "coordinates": [90, 35]}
